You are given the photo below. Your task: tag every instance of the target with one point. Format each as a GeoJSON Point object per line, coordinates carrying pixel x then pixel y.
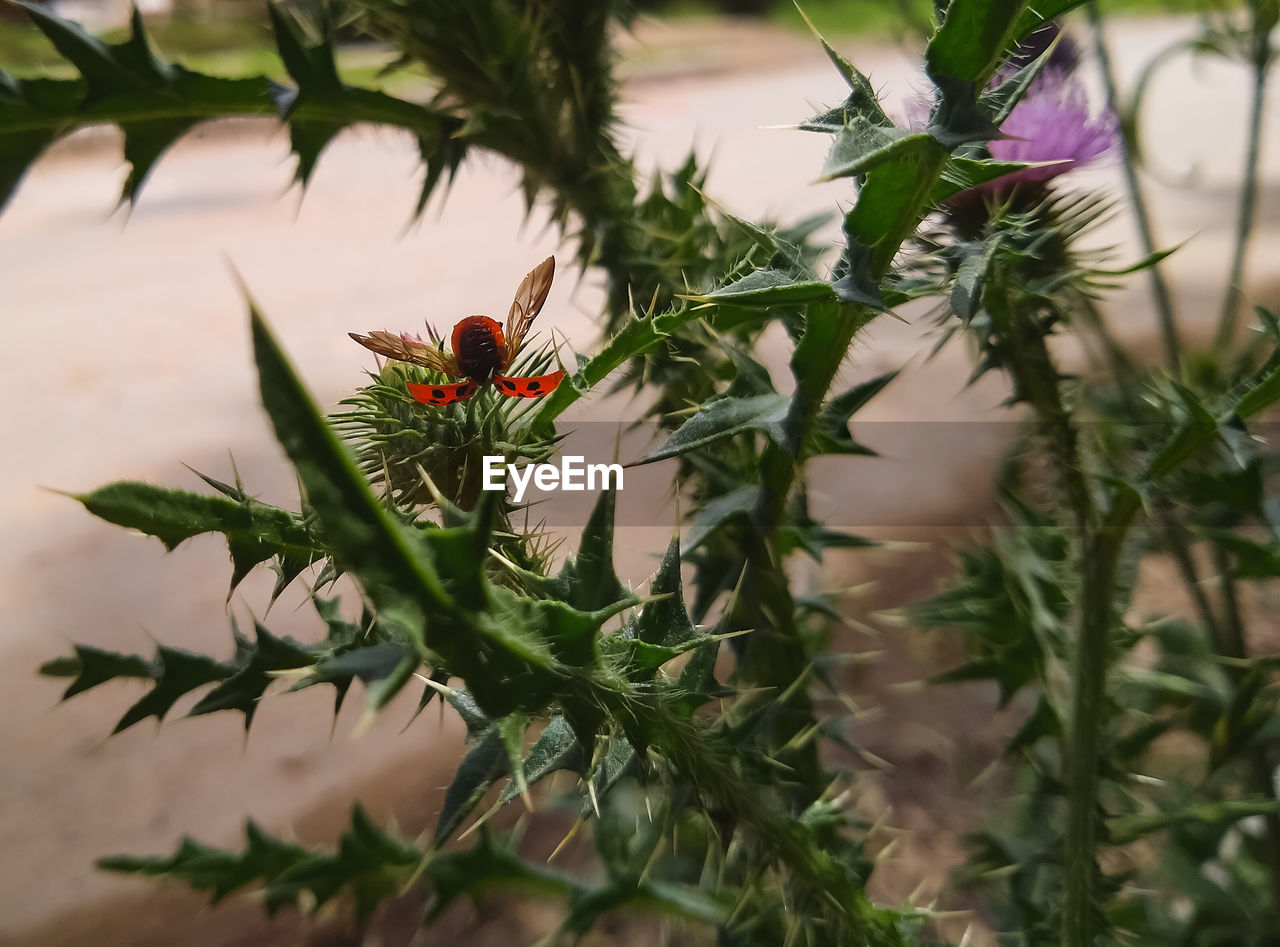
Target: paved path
{"type": "Point", "coordinates": [127, 354]}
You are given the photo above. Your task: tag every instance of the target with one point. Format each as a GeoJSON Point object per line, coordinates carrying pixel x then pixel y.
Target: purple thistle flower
{"type": "Point", "coordinates": [1053, 122]}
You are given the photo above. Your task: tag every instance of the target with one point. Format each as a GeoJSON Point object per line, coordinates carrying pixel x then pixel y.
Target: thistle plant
{"type": "Point", "coordinates": [1055, 589]}
{"type": "Point", "coordinates": [709, 795]}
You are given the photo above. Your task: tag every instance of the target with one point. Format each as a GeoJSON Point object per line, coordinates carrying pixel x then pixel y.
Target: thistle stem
{"type": "Point", "coordinates": [1101, 554]}
{"type": "Point", "coordinates": [1159, 288]}
{"type": "Point", "coordinates": [1246, 213]}
{"type": "Point", "coordinates": [1038, 382]}
{"type": "Point", "coordinates": [1097, 617]}
{"type": "Point", "coordinates": [773, 656]}
{"type": "Point", "coordinates": [1233, 643]}
{"type": "Point", "coordinates": [1175, 536]}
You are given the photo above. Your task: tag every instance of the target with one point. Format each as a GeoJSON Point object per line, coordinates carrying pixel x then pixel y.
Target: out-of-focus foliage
{"type": "Point", "coordinates": [1145, 465]}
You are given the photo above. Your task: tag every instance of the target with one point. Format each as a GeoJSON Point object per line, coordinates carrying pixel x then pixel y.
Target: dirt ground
{"type": "Point", "coordinates": [128, 355]}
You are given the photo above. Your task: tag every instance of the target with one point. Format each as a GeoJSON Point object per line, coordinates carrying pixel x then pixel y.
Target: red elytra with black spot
{"type": "Point", "coordinates": [481, 351]}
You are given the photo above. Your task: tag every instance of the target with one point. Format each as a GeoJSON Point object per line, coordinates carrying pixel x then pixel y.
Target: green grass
{"type": "Point", "coordinates": [903, 17]}
{"type": "Point", "coordinates": [23, 48]}
{"type": "Point", "coordinates": [243, 47]}
{"type": "Point", "coordinates": [229, 48]}
{"type": "Point", "coordinates": [864, 18]}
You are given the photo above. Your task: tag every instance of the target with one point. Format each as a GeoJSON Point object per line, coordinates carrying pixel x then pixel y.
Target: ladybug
{"type": "Point", "coordinates": [481, 352]}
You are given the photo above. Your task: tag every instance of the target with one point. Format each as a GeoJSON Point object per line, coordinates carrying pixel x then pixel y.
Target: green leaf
{"type": "Point", "coordinates": [381, 692]}
{"type": "Point", "coordinates": [557, 748]}
{"type": "Point", "coordinates": [1011, 603]}
{"type": "Point", "coordinates": [891, 201]}
{"type": "Point", "coordinates": [737, 503]}
{"type": "Point", "coordinates": [312, 66]}
{"type": "Point", "coordinates": [961, 58]}
{"type": "Point", "coordinates": [589, 579]}
{"type": "Point", "coordinates": [322, 106]}
{"type": "Point", "coordinates": [723, 418]}
{"type": "Point", "coordinates": [831, 427]}
{"type": "Point", "coordinates": [1001, 100]}
{"type": "Point", "coordinates": [1262, 391]}
{"type": "Point", "coordinates": [862, 101]}
{"type": "Point", "coordinates": [384, 668]}
{"type": "Point", "coordinates": [959, 118]}
{"type": "Point", "coordinates": [1148, 261]}
{"type": "Point", "coordinates": [485, 763]}
{"type": "Point", "coordinates": [664, 621]}
{"type": "Point", "coordinates": [669, 900]}
{"type": "Point", "coordinates": [765, 288]}
{"type": "Point", "coordinates": [105, 68]}
{"type": "Point", "coordinates": [973, 38]}
{"type": "Point", "coordinates": [1042, 723]}
{"type": "Point", "coordinates": [1253, 560]}
{"type": "Point", "coordinates": [647, 658]}
{"type": "Point", "coordinates": [178, 673]}
{"type": "Point", "coordinates": [173, 672]}
{"type": "Point", "coordinates": [861, 146]}
{"type": "Point", "coordinates": [476, 720]}
{"type": "Point", "coordinates": [1252, 706]}
{"type": "Point", "coordinates": [697, 683]}
{"type": "Point", "coordinates": [750, 378]}
{"type": "Point", "coordinates": [971, 278]}
{"type": "Point", "coordinates": [616, 763]}
{"type": "Point", "coordinates": [512, 729]}
{"type": "Point", "coordinates": [1199, 428]}
{"type": "Point", "coordinates": [214, 870]}
{"type": "Point", "coordinates": [92, 666]}
{"type": "Point", "coordinates": [637, 337]}
{"type": "Point", "coordinates": [1165, 686]}
{"type": "Point", "coordinates": [154, 103]}
{"type": "Point", "coordinates": [255, 531]}
{"type": "Point", "coordinates": [814, 538]}
{"type": "Point", "coordinates": [964, 174]}
{"type": "Point", "coordinates": [438, 677]}
{"type": "Point", "coordinates": [34, 113]}
{"type": "Point", "coordinates": [828, 331]}
{"type": "Point", "coordinates": [315, 71]}
{"type": "Point", "coordinates": [487, 868]}
{"type": "Point", "coordinates": [1036, 15]}
{"type": "Point", "coordinates": [242, 690]}
{"type": "Point", "coordinates": [369, 865]}
{"type": "Point", "coordinates": [1129, 828]}
{"type": "Point", "coordinates": [1134, 746]}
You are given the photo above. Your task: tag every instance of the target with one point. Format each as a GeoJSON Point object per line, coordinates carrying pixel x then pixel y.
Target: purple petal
{"type": "Point", "coordinates": [1053, 122]}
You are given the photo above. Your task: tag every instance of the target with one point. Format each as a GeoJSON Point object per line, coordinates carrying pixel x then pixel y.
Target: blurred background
{"type": "Point", "coordinates": [127, 356]}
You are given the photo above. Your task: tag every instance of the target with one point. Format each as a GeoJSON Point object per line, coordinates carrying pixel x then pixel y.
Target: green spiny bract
{"type": "Point", "coordinates": [406, 448]}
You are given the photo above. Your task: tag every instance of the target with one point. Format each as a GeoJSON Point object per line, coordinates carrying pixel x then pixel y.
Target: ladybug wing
{"type": "Point", "coordinates": [530, 297]}
{"type": "Point", "coordinates": [534, 386]}
{"type": "Point", "coordinates": [404, 349]}
{"type": "Point", "coordinates": [443, 394]}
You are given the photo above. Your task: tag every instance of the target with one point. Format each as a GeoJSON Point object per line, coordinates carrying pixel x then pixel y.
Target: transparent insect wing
{"type": "Point", "coordinates": [405, 349]}
{"type": "Point", "coordinates": [530, 297]}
